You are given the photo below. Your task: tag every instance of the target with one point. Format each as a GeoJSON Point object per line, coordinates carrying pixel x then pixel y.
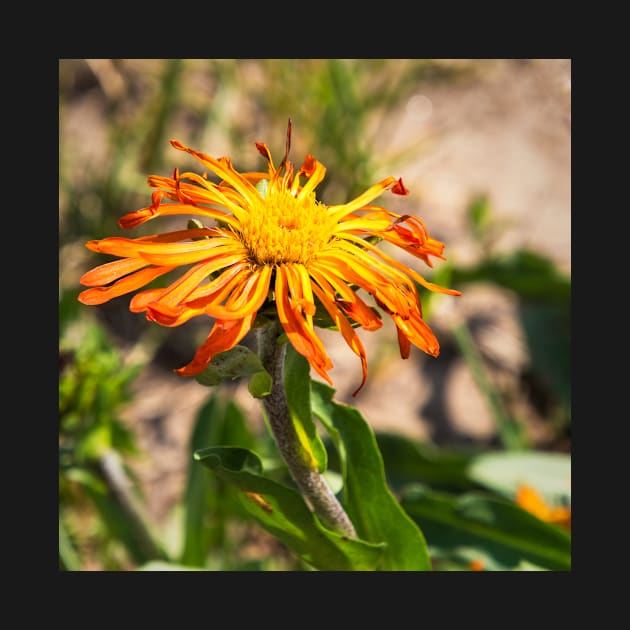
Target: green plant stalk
{"type": "Point", "coordinates": [119, 485]}
{"type": "Point", "coordinates": [510, 433]}
{"type": "Point", "coordinates": [166, 102]}
{"type": "Point", "coordinates": [312, 485]}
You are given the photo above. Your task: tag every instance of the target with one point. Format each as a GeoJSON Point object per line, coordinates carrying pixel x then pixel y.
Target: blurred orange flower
{"type": "Point", "coordinates": [530, 500]}
{"type": "Point", "coordinates": [272, 243]}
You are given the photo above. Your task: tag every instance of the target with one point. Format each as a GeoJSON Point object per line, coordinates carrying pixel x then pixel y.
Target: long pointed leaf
{"type": "Point", "coordinates": [282, 512]}
{"type": "Point", "coordinates": [496, 527]}
{"type": "Point", "coordinates": [199, 485]}
{"type": "Point", "coordinates": [217, 423]}
{"type": "Point", "coordinates": [372, 507]}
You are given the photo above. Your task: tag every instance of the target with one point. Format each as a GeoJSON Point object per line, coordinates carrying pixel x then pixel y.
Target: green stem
{"type": "Point", "coordinates": [119, 485]}
{"type": "Point", "coordinates": [311, 483]}
{"type": "Point", "coordinates": [510, 433]}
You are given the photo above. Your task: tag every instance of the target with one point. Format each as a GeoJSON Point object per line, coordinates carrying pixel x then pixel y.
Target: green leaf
{"type": "Point", "coordinates": [199, 484]}
{"type": "Point", "coordinates": [166, 566]}
{"type": "Point", "coordinates": [282, 512]}
{"type": "Point", "coordinates": [479, 215]}
{"type": "Point", "coordinates": [234, 363]}
{"type": "Point", "coordinates": [502, 472]}
{"type": "Point", "coordinates": [547, 330]}
{"type": "Point", "coordinates": [528, 566]}
{"type": "Point", "coordinates": [495, 527]}
{"type": "Point", "coordinates": [123, 439]}
{"type": "Point", "coordinates": [68, 555]}
{"type": "Point", "coordinates": [69, 308]}
{"type": "Point", "coordinates": [406, 461]}
{"type": "Point", "coordinates": [297, 385]}
{"type": "Point", "coordinates": [527, 273]}
{"type": "Point", "coordinates": [120, 527]}
{"type": "Point", "coordinates": [205, 504]}
{"type": "Point", "coordinates": [371, 506]}
{"type": "Point", "coordinates": [87, 479]}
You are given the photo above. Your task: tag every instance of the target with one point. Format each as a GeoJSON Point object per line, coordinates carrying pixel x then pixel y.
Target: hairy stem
{"type": "Point", "coordinates": [311, 483]}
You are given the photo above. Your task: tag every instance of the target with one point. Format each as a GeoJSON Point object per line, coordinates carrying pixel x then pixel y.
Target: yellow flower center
{"type": "Point", "coordinates": [284, 229]}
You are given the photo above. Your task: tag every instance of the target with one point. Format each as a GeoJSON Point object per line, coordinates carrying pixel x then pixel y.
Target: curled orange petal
{"type": "Point", "coordinates": [223, 336]}
{"type": "Point", "coordinates": [104, 274]}
{"type": "Point", "coordinates": [347, 332]}
{"type": "Point", "coordinates": [100, 295]}
{"type": "Point", "coordinates": [303, 337]}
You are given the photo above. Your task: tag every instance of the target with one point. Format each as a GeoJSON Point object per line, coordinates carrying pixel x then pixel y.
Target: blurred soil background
{"type": "Point", "coordinates": [460, 132]}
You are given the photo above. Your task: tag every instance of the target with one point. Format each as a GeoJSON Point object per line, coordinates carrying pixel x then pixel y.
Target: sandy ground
{"type": "Point", "coordinates": [507, 135]}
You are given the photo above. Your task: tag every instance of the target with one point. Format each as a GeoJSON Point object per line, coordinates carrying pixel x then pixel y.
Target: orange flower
{"type": "Point", "coordinates": [477, 565]}
{"type": "Point", "coordinates": [530, 500]}
{"type": "Point", "coordinates": [272, 242]}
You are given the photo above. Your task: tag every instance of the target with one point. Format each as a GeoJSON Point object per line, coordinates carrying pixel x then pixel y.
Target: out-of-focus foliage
{"type": "Point", "coordinates": [544, 307]}
{"type": "Point", "coordinates": [93, 385]}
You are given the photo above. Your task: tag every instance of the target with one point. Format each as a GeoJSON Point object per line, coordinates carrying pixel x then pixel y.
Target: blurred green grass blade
{"type": "Point", "coordinates": [371, 506]}
{"type": "Point", "coordinates": [120, 527]}
{"type": "Point", "coordinates": [206, 505]}
{"type": "Point", "coordinates": [199, 485]}
{"type": "Point", "coordinates": [547, 328]}
{"type": "Point", "coordinates": [544, 294]}
{"type": "Point", "coordinates": [496, 527]}
{"type": "Point", "coordinates": [511, 433]}
{"type": "Point", "coordinates": [166, 566]}
{"type": "Point", "coordinates": [67, 553]}
{"type": "Point", "coordinates": [297, 385]}
{"type": "Point", "coordinates": [167, 99]}
{"type": "Point", "coordinates": [282, 512]}
{"type": "Point", "coordinates": [86, 478]}
{"type": "Point", "coordinates": [127, 507]}
{"type": "Point", "coordinates": [69, 309]}
{"type": "Point", "coordinates": [547, 472]}
{"type": "Point", "coordinates": [108, 489]}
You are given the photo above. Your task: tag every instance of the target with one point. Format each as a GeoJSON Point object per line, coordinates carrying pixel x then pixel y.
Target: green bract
{"type": "Point", "coordinates": [235, 363]}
